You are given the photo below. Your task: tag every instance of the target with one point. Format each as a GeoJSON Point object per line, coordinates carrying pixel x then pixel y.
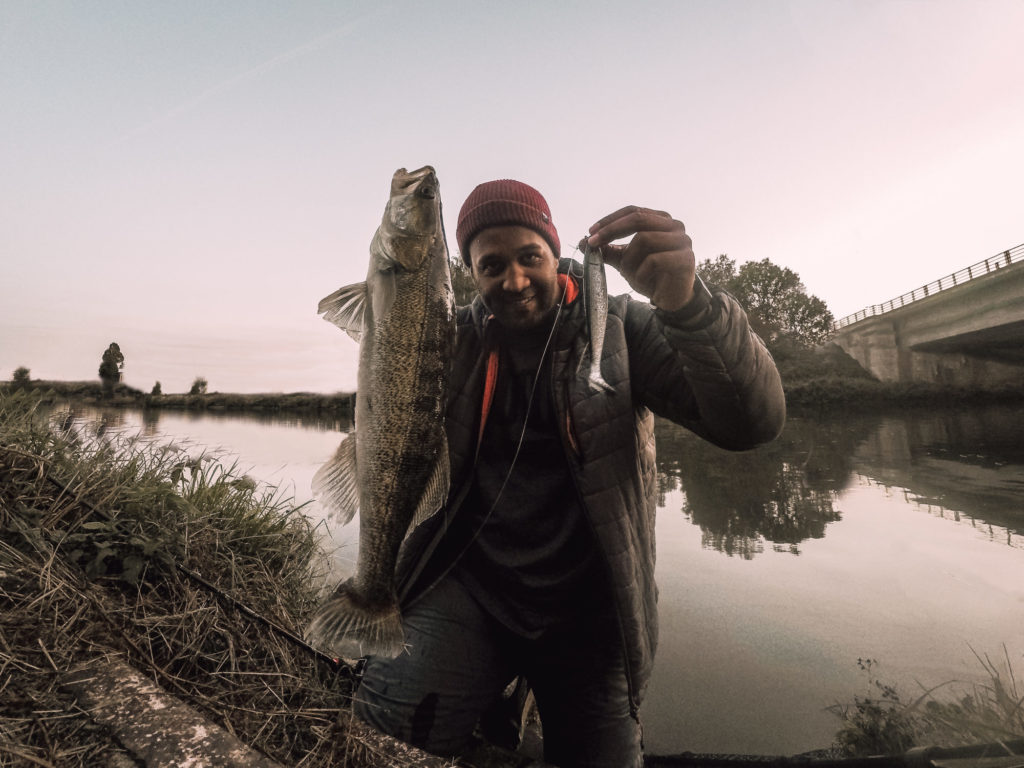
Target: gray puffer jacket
{"type": "Point", "coordinates": [700, 366]}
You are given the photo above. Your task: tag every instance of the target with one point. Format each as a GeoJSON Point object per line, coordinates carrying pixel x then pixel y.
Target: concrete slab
{"type": "Point", "coordinates": [160, 730]}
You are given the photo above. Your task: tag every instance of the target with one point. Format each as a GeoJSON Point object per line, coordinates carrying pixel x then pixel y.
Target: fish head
{"type": "Point", "coordinates": [412, 220]}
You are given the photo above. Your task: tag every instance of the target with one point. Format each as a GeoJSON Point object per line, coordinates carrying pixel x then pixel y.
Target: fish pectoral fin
{"type": "Point", "coordinates": [346, 308]}
{"type": "Point", "coordinates": [336, 483]}
{"type": "Point", "coordinates": [435, 493]}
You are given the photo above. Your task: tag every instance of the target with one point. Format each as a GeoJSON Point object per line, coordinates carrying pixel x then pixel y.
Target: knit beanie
{"type": "Point", "coordinates": [504, 201]}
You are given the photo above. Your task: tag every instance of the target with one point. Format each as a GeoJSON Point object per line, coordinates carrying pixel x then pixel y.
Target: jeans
{"type": "Point", "coordinates": [458, 661]}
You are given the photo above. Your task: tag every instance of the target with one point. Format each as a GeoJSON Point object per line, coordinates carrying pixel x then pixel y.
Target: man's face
{"type": "Point", "coordinates": [516, 273]}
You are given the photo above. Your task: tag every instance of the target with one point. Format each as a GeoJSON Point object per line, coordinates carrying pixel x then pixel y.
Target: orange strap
{"type": "Point", "coordinates": [489, 384]}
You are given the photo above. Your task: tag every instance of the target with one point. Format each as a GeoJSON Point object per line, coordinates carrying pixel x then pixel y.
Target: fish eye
{"type": "Point", "coordinates": [428, 192]}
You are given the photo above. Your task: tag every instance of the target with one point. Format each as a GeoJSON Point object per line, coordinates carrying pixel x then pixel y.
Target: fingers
{"type": "Point", "coordinates": [658, 261]}
{"type": "Point", "coordinates": [630, 257]}
{"type": "Point", "coordinates": [628, 221]}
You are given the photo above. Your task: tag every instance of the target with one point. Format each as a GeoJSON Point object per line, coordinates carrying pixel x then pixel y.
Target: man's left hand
{"type": "Point", "coordinates": [658, 262]}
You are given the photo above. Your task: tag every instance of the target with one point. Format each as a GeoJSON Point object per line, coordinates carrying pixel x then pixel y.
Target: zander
{"type": "Point", "coordinates": [394, 469]}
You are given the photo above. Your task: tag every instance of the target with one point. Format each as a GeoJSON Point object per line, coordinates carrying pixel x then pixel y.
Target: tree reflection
{"type": "Point", "coordinates": [782, 493]}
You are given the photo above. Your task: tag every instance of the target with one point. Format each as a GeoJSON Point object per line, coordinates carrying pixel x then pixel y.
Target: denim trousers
{"type": "Point", "coordinates": [458, 660]}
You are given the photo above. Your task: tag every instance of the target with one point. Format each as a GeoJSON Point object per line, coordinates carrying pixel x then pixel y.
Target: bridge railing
{"type": "Point", "coordinates": [982, 268]}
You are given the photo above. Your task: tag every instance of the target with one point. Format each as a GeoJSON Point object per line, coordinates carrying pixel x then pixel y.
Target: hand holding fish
{"type": "Point", "coordinates": [658, 262]}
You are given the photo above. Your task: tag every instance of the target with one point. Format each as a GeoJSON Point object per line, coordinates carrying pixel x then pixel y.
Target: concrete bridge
{"type": "Point", "coordinates": [965, 329]}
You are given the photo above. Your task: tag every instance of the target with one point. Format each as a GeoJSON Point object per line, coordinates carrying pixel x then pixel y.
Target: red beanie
{"type": "Point", "coordinates": [504, 201]}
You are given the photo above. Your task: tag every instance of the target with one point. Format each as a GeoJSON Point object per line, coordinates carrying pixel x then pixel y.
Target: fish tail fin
{"type": "Point", "coordinates": [347, 626]}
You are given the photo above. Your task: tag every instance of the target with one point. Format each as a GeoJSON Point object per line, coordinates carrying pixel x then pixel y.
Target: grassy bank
{"type": "Point", "coordinates": [97, 542]}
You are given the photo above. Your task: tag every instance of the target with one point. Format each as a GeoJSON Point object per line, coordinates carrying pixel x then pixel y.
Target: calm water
{"type": "Point", "coordinates": [898, 538]}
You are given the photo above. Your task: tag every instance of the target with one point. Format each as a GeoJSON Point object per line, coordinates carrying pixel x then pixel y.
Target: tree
{"type": "Point", "coordinates": [463, 284]}
{"type": "Point", "coordinates": [20, 378]}
{"type": "Point", "coordinates": [198, 386]}
{"type": "Point", "coordinates": [156, 389]}
{"type": "Point", "coordinates": [719, 273]}
{"type": "Point", "coordinates": [110, 368]}
{"type": "Point", "coordinates": [776, 302]}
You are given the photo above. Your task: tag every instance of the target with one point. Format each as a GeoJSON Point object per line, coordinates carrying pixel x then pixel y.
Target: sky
{"type": "Point", "coordinates": [189, 179]}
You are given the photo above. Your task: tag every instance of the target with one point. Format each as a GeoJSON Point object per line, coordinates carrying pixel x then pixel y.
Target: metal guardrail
{"type": "Point", "coordinates": [981, 269]}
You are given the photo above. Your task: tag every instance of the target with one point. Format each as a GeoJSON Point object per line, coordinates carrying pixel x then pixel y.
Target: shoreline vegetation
{"type": "Point", "coordinates": [338, 405]}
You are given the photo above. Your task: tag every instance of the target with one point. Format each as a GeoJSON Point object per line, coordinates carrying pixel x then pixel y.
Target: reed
{"type": "Point", "coordinates": [951, 714]}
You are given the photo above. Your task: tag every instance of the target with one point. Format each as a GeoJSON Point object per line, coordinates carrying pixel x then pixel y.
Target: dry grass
{"type": "Point", "coordinates": [96, 537]}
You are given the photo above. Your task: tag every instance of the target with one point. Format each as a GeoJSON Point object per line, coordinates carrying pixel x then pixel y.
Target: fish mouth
{"type": "Point", "coordinates": [422, 182]}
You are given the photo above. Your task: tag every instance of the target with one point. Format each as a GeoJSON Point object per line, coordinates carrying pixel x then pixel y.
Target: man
{"type": "Point", "coordinates": [541, 564]}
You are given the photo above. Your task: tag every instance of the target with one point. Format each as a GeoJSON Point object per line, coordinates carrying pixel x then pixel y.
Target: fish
{"type": "Point", "coordinates": [393, 469]}
{"type": "Point", "coordinates": [595, 300]}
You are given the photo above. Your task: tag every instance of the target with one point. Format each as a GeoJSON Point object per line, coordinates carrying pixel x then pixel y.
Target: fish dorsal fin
{"type": "Point", "coordinates": [436, 491]}
{"type": "Point", "coordinates": [336, 483]}
{"type": "Point", "coordinates": [346, 308]}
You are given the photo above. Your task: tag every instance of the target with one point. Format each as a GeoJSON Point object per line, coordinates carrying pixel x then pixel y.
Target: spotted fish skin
{"type": "Point", "coordinates": [394, 468]}
{"type": "Point", "coordinates": [595, 299]}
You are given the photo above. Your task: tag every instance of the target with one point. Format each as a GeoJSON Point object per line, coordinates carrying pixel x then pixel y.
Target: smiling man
{"type": "Point", "coordinates": [541, 564]}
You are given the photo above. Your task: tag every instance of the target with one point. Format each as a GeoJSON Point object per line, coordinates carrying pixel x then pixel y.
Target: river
{"type": "Point", "coordinates": [896, 537]}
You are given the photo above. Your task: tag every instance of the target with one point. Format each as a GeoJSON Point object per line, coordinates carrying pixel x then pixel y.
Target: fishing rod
{"type": "Point", "coordinates": [336, 664]}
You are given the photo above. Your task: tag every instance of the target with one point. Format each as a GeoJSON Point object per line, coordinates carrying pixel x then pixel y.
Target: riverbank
{"type": "Point", "coordinates": [824, 386]}
{"type": "Point", "coordinates": [337, 405]}
{"type": "Point", "coordinates": [112, 549]}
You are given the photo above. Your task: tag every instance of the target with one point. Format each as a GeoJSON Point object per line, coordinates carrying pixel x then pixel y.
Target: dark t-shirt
{"type": "Point", "coordinates": [533, 563]}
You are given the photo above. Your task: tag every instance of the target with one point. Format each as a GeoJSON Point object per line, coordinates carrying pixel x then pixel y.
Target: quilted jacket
{"type": "Point", "coordinates": [700, 366]}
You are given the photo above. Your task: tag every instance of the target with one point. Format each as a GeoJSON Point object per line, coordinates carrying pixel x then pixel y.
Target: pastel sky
{"type": "Point", "coordinates": [190, 178]}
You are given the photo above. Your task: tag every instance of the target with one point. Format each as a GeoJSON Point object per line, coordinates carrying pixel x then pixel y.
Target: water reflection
{"type": "Point", "coordinates": [965, 464]}
{"type": "Point", "coordinates": [150, 418]}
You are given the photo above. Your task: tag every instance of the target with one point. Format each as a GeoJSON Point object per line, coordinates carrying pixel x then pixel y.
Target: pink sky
{"type": "Point", "coordinates": [189, 179]}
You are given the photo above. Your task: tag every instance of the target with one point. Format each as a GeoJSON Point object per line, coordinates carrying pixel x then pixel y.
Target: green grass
{"type": "Point", "coordinates": [97, 535]}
